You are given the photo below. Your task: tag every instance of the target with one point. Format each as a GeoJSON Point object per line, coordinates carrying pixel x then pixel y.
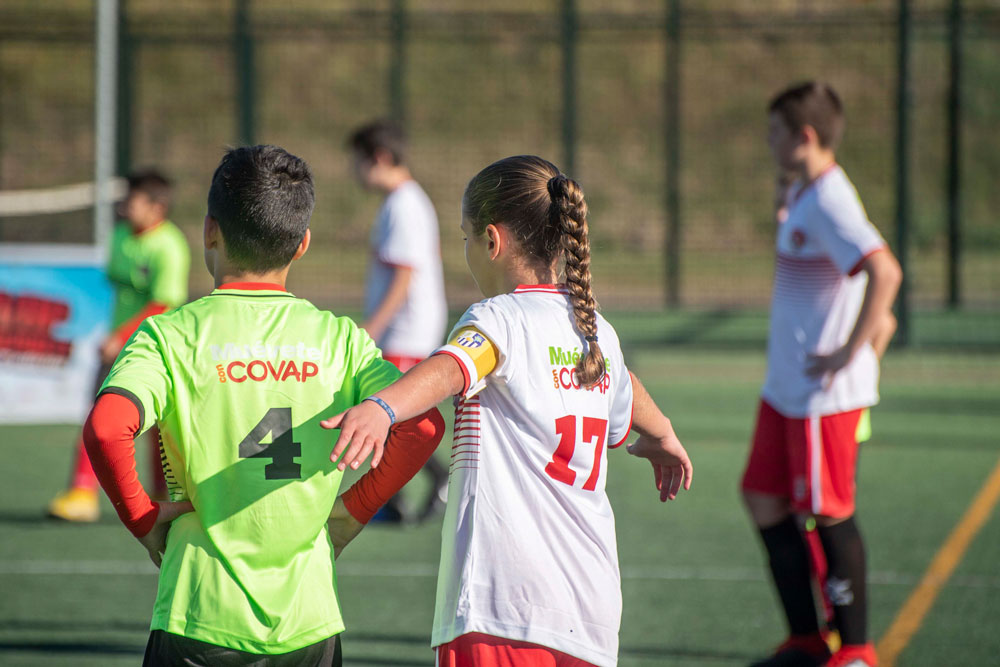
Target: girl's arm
{"type": "Point", "coordinates": [363, 428]}
{"type": "Point", "coordinates": [659, 444]}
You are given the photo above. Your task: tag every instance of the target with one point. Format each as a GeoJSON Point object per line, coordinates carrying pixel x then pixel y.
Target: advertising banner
{"type": "Point", "coordinates": [54, 310]}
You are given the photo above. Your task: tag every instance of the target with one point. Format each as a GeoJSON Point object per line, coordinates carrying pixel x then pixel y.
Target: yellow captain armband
{"type": "Point", "coordinates": [479, 348]}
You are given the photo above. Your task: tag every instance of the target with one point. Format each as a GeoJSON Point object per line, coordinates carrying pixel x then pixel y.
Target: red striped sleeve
{"type": "Point", "coordinates": [857, 267]}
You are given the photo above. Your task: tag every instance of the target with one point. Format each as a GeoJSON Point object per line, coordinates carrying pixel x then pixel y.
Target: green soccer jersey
{"type": "Point", "coordinates": [237, 382]}
{"type": "Point", "coordinates": [151, 266]}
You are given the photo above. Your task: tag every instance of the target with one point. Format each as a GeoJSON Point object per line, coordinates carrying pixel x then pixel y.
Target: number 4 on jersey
{"type": "Point", "coordinates": [282, 450]}
{"type": "Point", "coordinates": [593, 429]}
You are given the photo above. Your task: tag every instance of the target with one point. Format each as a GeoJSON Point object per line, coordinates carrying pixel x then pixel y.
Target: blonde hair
{"type": "Point", "coordinates": [545, 211]}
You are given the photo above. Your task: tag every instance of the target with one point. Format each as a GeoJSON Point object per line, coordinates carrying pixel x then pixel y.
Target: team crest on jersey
{"type": "Point", "coordinates": [471, 340]}
{"type": "Point", "coordinates": [798, 238]}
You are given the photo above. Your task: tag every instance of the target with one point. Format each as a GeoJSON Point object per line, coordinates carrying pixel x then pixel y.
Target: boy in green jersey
{"type": "Point", "coordinates": [238, 382]}
{"type": "Point", "coordinates": [148, 268]}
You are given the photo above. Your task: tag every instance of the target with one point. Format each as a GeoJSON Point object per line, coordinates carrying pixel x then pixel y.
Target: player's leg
{"type": "Point", "coordinates": [767, 492]}
{"type": "Point", "coordinates": [165, 649]}
{"type": "Point", "coordinates": [843, 545]}
{"type": "Point", "coordinates": [480, 650]}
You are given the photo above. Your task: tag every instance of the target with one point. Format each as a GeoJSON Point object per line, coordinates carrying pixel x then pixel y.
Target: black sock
{"type": "Point", "coordinates": [789, 561]}
{"type": "Point", "coordinates": [845, 579]}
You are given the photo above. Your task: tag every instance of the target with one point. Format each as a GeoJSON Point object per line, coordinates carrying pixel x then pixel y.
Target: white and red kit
{"type": "Point", "coordinates": [406, 234]}
{"type": "Point", "coordinates": [528, 548]}
{"type": "Point", "coordinates": [805, 444]}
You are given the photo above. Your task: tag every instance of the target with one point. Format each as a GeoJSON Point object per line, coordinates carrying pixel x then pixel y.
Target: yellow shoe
{"type": "Point", "coordinates": [77, 504]}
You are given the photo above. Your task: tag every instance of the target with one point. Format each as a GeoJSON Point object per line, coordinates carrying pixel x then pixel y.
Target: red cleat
{"type": "Point", "coordinates": [854, 655]}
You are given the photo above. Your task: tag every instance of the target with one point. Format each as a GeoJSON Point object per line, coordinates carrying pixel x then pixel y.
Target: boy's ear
{"type": "Point", "coordinates": [809, 135]}
{"type": "Point", "coordinates": [383, 158]}
{"type": "Point", "coordinates": [303, 245]}
{"type": "Point", "coordinates": [212, 233]}
{"type": "Point", "coordinates": [161, 209]}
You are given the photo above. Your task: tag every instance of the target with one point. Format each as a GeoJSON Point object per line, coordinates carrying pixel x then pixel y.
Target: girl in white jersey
{"type": "Point", "coordinates": [529, 566]}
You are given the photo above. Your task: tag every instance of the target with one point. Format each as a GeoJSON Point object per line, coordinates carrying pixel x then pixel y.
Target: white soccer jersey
{"type": "Point", "coordinates": [528, 547]}
{"type": "Point", "coordinates": [406, 234]}
{"type": "Point", "coordinates": [817, 296]}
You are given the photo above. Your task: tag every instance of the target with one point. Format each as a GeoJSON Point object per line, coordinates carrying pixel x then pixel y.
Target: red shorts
{"type": "Point", "coordinates": [478, 650]}
{"type": "Point", "coordinates": [811, 461]}
{"type": "Point", "coordinates": [402, 363]}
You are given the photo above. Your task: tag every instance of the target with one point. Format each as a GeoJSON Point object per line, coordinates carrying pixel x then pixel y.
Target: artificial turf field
{"type": "Point", "coordinates": [693, 574]}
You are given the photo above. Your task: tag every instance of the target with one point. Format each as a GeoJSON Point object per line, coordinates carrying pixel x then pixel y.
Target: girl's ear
{"type": "Point", "coordinates": [496, 240]}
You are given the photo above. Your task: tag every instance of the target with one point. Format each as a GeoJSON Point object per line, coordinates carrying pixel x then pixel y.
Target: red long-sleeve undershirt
{"type": "Point", "coordinates": [125, 330]}
{"type": "Point", "coordinates": [407, 449]}
{"type": "Point", "coordinates": [109, 435]}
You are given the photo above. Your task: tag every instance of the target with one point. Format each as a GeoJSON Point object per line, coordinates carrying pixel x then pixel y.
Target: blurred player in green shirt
{"type": "Point", "coordinates": [238, 382]}
{"type": "Point", "coordinates": [148, 269]}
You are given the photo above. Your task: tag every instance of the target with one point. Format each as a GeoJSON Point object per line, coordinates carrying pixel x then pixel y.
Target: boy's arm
{"type": "Point", "coordinates": [407, 449]}
{"type": "Point", "coordinates": [393, 300]}
{"type": "Point", "coordinates": [884, 278]}
{"type": "Point", "coordinates": [109, 436]}
{"type": "Point", "coordinates": [659, 444]}
{"type": "Point", "coordinates": [886, 329]}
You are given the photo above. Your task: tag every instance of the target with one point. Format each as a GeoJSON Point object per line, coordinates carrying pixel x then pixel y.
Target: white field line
{"type": "Point", "coordinates": [425, 570]}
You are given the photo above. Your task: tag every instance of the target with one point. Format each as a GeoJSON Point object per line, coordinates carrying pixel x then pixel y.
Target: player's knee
{"type": "Point", "coordinates": [828, 521]}
{"type": "Point", "coordinates": [766, 510]}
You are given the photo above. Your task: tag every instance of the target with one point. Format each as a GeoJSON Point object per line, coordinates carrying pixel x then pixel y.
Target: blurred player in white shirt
{"type": "Point", "coordinates": [834, 285]}
{"type": "Point", "coordinates": [405, 308]}
{"type": "Point", "coordinates": [529, 565]}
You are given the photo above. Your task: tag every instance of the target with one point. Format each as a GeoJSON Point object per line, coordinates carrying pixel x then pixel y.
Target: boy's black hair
{"type": "Point", "coordinates": [379, 135]}
{"type": "Point", "coordinates": [151, 182]}
{"type": "Point", "coordinates": [815, 104]}
{"type": "Point", "coordinates": [262, 198]}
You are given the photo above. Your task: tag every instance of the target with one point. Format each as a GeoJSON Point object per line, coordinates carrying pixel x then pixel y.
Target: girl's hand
{"type": "Point", "coordinates": [342, 526]}
{"type": "Point", "coordinates": [155, 540]}
{"type": "Point", "coordinates": [670, 461]}
{"type": "Point", "coordinates": [363, 430]}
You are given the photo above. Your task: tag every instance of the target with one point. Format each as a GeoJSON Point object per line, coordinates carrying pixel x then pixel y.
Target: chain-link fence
{"type": "Point", "coordinates": [657, 108]}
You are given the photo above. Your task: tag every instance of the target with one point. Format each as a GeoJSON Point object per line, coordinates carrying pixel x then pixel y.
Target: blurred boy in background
{"type": "Point", "coordinates": [405, 308]}
{"type": "Point", "coordinates": [148, 268]}
{"type": "Point", "coordinates": [834, 286]}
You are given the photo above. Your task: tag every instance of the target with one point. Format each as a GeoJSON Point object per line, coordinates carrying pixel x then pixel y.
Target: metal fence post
{"type": "Point", "coordinates": [126, 92]}
{"type": "Point", "coordinates": [105, 79]}
{"type": "Point", "coordinates": [397, 61]}
{"type": "Point", "coordinates": [244, 53]}
{"type": "Point", "coordinates": [903, 102]}
{"type": "Point", "coordinates": [955, 154]}
{"type": "Point", "coordinates": [569, 40]}
{"type": "Point", "coordinates": [672, 139]}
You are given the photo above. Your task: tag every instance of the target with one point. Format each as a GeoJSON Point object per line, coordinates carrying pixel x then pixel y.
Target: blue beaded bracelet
{"type": "Point", "coordinates": [384, 406]}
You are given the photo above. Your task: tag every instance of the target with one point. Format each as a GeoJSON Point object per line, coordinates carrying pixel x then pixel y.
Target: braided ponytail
{"type": "Point", "coordinates": [568, 213]}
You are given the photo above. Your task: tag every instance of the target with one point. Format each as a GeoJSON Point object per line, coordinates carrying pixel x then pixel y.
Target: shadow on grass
{"type": "Point", "coordinates": [73, 648]}
{"type": "Point", "coordinates": [81, 625]}
{"type": "Point", "coordinates": [37, 517]}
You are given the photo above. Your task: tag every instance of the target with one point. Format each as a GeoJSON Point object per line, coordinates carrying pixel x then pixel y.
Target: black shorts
{"type": "Point", "coordinates": [165, 649]}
